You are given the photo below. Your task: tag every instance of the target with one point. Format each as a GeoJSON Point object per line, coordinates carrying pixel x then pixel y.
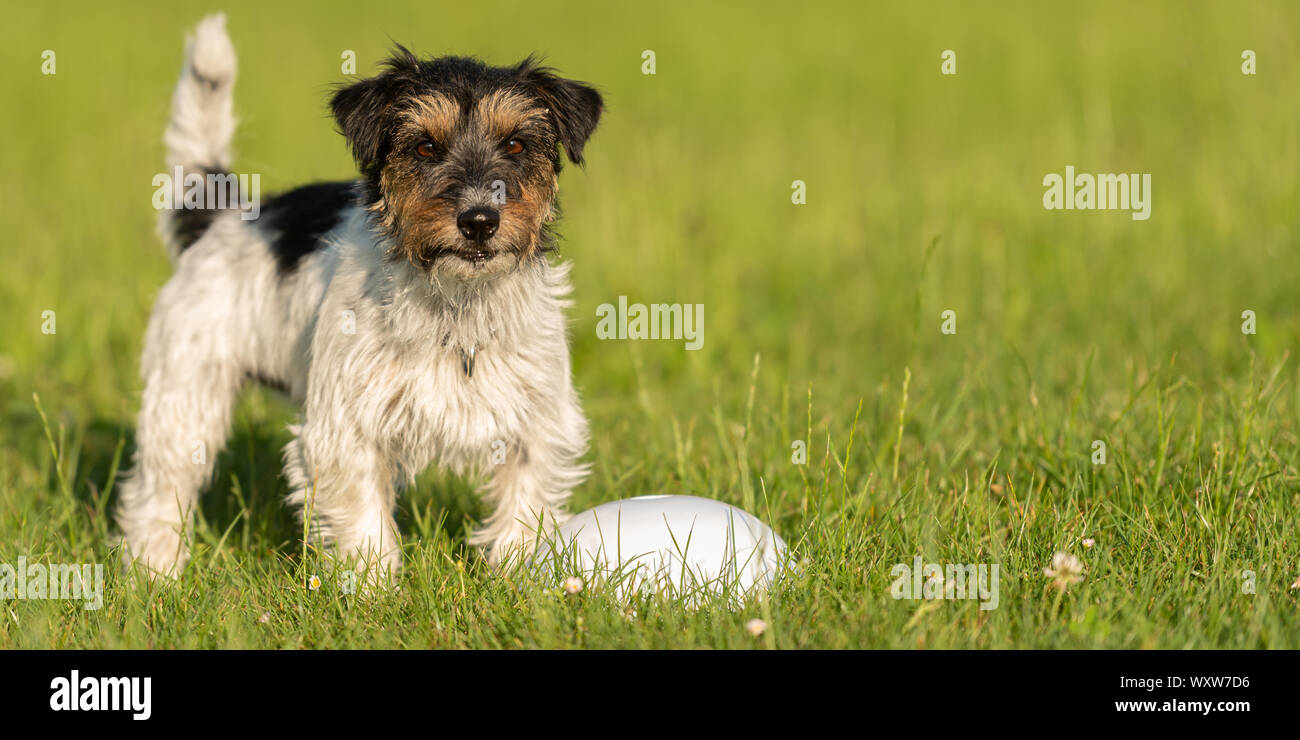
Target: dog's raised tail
{"type": "Point", "coordinates": [201, 126]}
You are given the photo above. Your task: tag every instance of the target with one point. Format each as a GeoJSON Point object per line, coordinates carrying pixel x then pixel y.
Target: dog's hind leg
{"type": "Point", "coordinates": [191, 382]}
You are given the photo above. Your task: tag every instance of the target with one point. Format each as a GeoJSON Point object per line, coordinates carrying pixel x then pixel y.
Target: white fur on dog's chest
{"type": "Point", "coordinates": [456, 419]}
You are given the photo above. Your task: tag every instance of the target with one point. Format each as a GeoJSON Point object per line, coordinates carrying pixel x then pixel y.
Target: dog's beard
{"type": "Point", "coordinates": [444, 257]}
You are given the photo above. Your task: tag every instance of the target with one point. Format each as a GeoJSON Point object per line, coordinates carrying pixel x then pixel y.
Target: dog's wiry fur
{"type": "Point", "coordinates": [407, 342]}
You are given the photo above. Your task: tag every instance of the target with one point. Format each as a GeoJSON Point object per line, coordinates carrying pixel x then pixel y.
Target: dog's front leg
{"type": "Point", "coordinates": [343, 489]}
{"type": "Point", "coordinates": [530, 483]}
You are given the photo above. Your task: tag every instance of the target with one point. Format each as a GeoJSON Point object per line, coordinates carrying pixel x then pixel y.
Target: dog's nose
{"type": "Point", "coordinates": [478, 224]}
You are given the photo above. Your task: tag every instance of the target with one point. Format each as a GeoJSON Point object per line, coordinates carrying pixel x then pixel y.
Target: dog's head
{"type": "Point", "coordinates": [460, 159]}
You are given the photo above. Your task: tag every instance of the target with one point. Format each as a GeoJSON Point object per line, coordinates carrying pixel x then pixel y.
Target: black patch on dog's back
{"type": "Point", "coordinates": [190, 224]}
{"type": "Point", "coordinates": [297, 219]}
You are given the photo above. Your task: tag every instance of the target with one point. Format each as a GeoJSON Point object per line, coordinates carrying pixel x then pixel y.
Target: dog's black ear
{"type": "Point", "coordinates": [363, 109]}
{"type": "Point", "coordinates": [575, 106]}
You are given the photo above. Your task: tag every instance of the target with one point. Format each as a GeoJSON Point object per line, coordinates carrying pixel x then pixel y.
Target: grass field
{"type": "Point", "coordinates": [822, 320]}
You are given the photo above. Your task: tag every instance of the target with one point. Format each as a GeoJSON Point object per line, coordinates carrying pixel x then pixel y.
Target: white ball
{"type": "Point", "coordinates": [683, 546]}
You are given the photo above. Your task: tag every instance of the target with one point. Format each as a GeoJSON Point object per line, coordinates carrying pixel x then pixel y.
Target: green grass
{"type": "Point", "coordinates": [924, 195]}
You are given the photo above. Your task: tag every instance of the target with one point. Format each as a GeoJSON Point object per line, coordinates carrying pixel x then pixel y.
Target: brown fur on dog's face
{"type": "Point", "coordinates": [447, 146]}
{"type": "Point", "coordinates": [470, 166]}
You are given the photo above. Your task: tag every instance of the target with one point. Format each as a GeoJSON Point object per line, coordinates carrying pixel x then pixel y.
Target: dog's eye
{"type": "Point", "coordinates": [515, 146]}
{"type": "Point", "coordinates": [426, 149]}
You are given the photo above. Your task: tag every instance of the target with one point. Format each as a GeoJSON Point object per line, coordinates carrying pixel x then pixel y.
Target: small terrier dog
{"type": "Point", "coordinates": [413, 313]}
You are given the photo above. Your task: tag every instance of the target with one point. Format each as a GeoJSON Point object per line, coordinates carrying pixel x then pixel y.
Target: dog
{"type": "Point", "coordinates": [414, 313]}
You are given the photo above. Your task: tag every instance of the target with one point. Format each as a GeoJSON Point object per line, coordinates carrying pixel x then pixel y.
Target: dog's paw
{"type": "Point", "coordinates": [375, 569]}
{"type": "Point", "coordinates": [158, 551]}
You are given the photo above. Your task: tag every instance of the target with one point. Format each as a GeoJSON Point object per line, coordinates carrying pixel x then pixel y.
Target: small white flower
{"type": "Point", "coordinates": [1066, 569]}
{"type": "Point", "coordinates": [573, 585]}
{"type": "Point", "coordinates": [756, 626]}
{"type": "Point", "coordinates": [1088, 542]}
{"type": "Point", "coordinates": [313, 583]}
{"type": "Point", "coordinates": [1297, 583]}
{"type": "Point", "coordinates": [266, 617]}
